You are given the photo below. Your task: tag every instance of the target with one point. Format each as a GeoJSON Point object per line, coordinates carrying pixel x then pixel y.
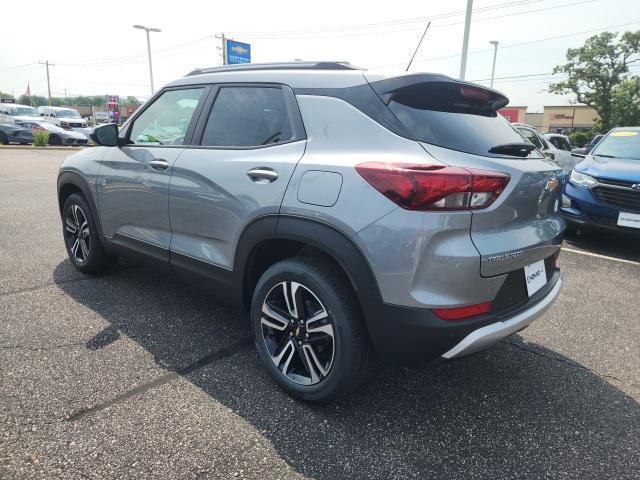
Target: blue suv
{"type": "Point", "coordinates": [603, 191]}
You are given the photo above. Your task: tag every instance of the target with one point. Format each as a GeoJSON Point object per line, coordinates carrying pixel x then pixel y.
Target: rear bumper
{"type": "Point", "coordinates": [488, 335]}
{"type": "Point", "coordinates": [415, 335]}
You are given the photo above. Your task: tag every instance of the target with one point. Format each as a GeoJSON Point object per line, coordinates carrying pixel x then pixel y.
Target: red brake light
{"type": "Point", "coordinates": [434, 187]}
{"type": "Point", "coordinates": [462, 313]}
{"type": "Point", "coordinates": [476, 93]}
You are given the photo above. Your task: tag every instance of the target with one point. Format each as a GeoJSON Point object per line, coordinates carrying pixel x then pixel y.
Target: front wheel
{"type": "Point", "coordinates": [81, 237]}
{"type": "Point", "coordinates": [308, 329]}
{"type": "Point", "coordinates": [55, 140]}
{"type": "Point", "coordinates": [4, 140]}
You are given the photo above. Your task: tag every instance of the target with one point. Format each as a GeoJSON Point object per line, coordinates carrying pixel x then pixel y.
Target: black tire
{"type": "Point", "coordinates": [4, 140]}
{"type": "Point", "coordinates": [351, 356]}
{"type": "Point", "coordinates": [55, 140]}
{"type": "Point", "coordinates": [93, 258]}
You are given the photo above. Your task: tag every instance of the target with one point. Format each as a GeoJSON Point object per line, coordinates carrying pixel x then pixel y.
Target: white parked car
{"type": "Point", "coordinates": [65, 117]}
{"type": "Point", "coordinates": [12, 112]}
{"type": "Point", "coordinates": [561, 157]}
{"type": "Point", "coordinates": [559, 141]}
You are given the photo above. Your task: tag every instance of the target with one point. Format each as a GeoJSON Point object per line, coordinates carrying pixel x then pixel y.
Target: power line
{"type": "Point", "coordinates": [511, 45]}
{"type": "Point", "coordinates": [359, 34]}
{"type": "Point", "coordinates": [112, 61]}
{"type": "Point", "coordinates": [387, 23]}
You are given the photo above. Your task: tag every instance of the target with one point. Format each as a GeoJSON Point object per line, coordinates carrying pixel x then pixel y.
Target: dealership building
{"type": "Point", "coordinates": [555, 119]}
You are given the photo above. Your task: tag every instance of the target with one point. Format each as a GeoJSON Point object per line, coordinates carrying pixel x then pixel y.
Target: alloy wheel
{"type": "Point", "coordinates": [298, 332]}
{"type": "Point", "coordinates": [76, 229]}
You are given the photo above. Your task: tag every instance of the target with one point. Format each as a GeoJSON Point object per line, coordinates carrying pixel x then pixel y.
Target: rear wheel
{"type": "Point", "coordinates": [308, 329]}
{"type": "Point", "coordinates": [55, 140]}
{"type": "Point", "coordinates": [81, 237]}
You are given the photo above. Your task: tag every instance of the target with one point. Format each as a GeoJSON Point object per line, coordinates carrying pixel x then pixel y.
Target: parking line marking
{"type": "Point", "coordinates": [597, 255]}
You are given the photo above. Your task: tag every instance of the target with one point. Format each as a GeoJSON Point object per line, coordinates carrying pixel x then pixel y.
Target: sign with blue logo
{"type": "Point", "coordinates": [237, 52]}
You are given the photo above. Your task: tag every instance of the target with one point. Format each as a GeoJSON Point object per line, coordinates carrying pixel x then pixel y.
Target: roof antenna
{"type": "Point", "coordinates": [418, 47]}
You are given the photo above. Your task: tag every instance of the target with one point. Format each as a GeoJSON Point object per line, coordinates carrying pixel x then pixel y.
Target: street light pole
{"type": "Point", "coordinates": [495, 54]}
{"type": "Point", "coordinates": [465, 40]}
{"type": "Point", "coordinates": [148, 30]}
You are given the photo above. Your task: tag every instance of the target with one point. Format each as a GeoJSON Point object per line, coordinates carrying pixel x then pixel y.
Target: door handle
{"type": "Point", "coordinates": [159, 164]}
{"type": "Point", "coordinates": [262, 175]}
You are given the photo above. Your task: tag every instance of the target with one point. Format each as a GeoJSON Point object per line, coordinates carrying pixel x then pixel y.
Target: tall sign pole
{"type": "Point", "coordinates": [465, 41]}
{"type": "Point", "coordinates": [224, 49]}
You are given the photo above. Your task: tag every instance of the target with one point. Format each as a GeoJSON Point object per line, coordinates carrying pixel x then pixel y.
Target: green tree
{"type": "Point", "coordinates": [579, 139]}
{"type": "Point", "coordinates": [626, 103]}
{"type": "Point", "coordinates": [596, 69]}
{"type": "Point", "coordinates": [33, 100]}
{"type": "Point", "coordinates": [131, 102]}
{"type": "Point", "coordinates": [6, 95]}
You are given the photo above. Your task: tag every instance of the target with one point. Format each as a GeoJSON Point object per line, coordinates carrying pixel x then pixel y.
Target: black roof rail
{"type": "Point", "coordinates": [244, 67]}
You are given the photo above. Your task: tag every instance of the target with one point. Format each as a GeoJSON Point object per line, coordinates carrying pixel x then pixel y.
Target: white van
{"type": "Point", "coordinates": [64, 117]}
{"type": "Point", "coordinates": [12, 112]}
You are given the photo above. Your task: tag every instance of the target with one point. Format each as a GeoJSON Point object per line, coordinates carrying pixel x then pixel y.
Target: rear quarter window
{"type": "Point", "coordinates": [438, 114]}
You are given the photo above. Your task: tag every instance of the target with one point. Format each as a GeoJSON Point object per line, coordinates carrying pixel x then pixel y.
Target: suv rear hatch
{"type": "Point", "coordinates": [457, 124]}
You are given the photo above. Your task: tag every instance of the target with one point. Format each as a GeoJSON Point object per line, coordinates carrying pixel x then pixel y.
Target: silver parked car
{"type": "Point", "coordinates": [57, 135]}
{"type": "Point", "coordinates": [349, 214]}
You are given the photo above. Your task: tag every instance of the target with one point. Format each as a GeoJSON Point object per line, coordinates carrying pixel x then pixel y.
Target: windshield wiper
{"type": "Point", "coordinates": [517, 149]}
{"type": "Point", "coordinates": [604, 155]}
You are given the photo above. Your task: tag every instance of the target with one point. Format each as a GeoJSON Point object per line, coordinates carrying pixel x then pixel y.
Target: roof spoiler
{"type": "Point", "coordinates": [389, 87]}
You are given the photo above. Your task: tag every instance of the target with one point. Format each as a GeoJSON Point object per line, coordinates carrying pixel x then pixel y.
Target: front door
{"type": "Point", "coordinates": [133, 182]}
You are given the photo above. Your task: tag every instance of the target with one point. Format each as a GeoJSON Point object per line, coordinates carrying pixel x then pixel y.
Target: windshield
{"type": "Point", "coordinates": [447, 116]}
{"type": "Point", "coordinates": [67, 114]}
{"type": "Point", "coordinates": [24, 112]}
{"type": "Point", "coordinates": [620, 144]}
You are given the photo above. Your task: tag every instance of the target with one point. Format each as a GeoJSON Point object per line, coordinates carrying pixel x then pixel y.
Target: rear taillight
{"type": "Point", "coordinates": [462, 313]}
{"type": "Point", "coordinates": [434, 187]}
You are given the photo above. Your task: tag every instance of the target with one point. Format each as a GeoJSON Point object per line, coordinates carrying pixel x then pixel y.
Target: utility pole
{"type": "Point", "coordinates": [495, 54]}
{"type": "Point", "coordinates": [149, 29]}
{"type": "Point", "coordinates": [47, 65]}
{"type": "Point", "coordinates": [65, 93]}
{"type": "Point", "coordinates": [465, 40]}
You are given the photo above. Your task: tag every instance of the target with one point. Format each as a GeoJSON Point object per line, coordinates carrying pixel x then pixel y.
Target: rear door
{"type": "Point", "coordinates": [457, 124]}
{"type": "Point", "coordinates": [249, 139]}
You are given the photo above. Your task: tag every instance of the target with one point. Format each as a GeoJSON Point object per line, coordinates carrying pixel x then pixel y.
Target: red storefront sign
{"type": "Point", "coordinates": [510, 114]}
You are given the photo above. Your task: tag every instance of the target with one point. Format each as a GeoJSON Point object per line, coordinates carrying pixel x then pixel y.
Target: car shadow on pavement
{"type": "Point", "coordinates": [517, 410]}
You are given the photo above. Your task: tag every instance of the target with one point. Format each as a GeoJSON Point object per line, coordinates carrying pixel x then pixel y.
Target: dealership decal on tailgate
{"type": "Point", "coordinates": [629, 220]}
{"type": "Point", "coordinates": [535, 276]}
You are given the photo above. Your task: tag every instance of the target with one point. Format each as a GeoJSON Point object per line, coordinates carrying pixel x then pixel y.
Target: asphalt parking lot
{"type": "Point", "coordinates": [133, 375]}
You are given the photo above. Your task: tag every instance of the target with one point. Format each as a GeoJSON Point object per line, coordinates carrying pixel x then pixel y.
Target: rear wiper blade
{"type": "Point", "coordinates": [604, 155]}
{"type": "Point", "coordinates": [517, 149]}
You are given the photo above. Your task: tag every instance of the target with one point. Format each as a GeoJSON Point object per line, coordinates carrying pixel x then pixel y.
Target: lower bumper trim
{"type": "Point", "coordinates": [488, 335]}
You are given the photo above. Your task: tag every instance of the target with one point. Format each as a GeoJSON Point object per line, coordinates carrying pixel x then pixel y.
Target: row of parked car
{"type": "Point", "coordinates": [65, 125]}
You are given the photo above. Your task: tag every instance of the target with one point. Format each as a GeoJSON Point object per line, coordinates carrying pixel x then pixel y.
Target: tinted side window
{"type": "Point", "coordinates": [166, 120]}
{"type": "Point", "coordinates": [247, 117]}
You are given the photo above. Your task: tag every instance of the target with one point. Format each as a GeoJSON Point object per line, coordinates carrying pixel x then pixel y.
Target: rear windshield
{"type": "Point", "coordinates": [620, 144]}
{"type": "Point", "coordinates": [447, 115]}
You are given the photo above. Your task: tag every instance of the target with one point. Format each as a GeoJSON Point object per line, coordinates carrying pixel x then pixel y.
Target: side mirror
{"type": "Point", "coordinates": [106, 135]}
